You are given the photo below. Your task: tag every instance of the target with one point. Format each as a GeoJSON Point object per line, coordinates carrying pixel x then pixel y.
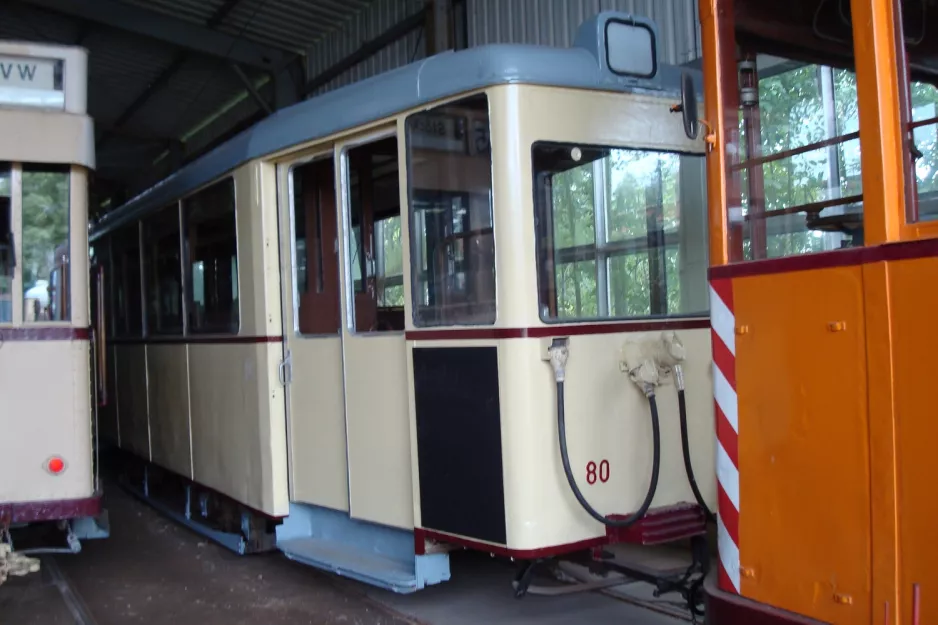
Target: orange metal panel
{"type": "Point", "coordinates": [915, 342]}
{"type": "Point", "coordinates": [920, 230]}
{"type": "Point", "coordinates": [719, 69]}
{"type": "Point", "coordinates": [804, 532]}
{"type": "Point", "coordinates": [881, 144]}
{"type": "Point", "coordinates": [876, 284]}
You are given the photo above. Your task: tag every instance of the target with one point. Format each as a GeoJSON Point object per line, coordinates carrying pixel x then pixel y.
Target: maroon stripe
{"type": "Point", "coordinates": [558, 330]}
{"type": "Point", "coordinates": [34, 511]}
{"type": "Point", "coordinates": [903, 250]}
{"type": "Point", "coordinates": [188, 340]}
{"type": "Point", "coordinates": [421, 534]}
{"type": "Point", "coordinates": [619, 327]}
{"type": "Point", "coordinates": [805, 262]}
{"type": "Point", "coordinates": [468, 334]}
{"type": "Point", "coordinates": [45, 334]}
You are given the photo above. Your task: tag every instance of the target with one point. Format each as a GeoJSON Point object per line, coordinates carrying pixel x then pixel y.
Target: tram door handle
{"type": "Point", "coordinates": [285, 372]}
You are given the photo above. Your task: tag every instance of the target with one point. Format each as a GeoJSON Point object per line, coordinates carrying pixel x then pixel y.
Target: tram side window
{"type": "Point", "coordinates": [212, 259]}
{"type": "Point", "coordinates": [315, 246]}
{"type": "Point", "coordinates": [915, 22]}
{"type": "Point", "coordinates": [451, 218]}
{"type": "Point", "coordinates": [620, 232]}
{"type": "Point", "coordinates": [128, 312]}
{"type": "Point", "coordinates": [7, 260]}
{"type": "Point", "coordinates": [45, 253]}
{"type": "Point", "coordinates": [375, 243]}
{"type": "Point", "coordinates": [799, 175]}
{"type": "Point", "coordinates": [162, 268]}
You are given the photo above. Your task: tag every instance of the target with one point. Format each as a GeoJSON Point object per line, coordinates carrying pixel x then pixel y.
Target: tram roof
{"type": "Point", "coordinates": [584, 65]}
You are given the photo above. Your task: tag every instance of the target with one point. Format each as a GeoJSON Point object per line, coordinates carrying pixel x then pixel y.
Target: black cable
{"type": "Point", "coordinates": [656, 465]}
{"type": "Point", "coordinates": [685, 447]}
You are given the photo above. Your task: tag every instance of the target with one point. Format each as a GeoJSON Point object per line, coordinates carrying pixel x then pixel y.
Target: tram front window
{"type": "Point", "coordinates": [45, 253]}
{"type": "Point", "coordinates": [7, 260]}
{"type": "Point", "coordinates": [620, 232]}
{"type": "Point", "coordinates": [451, 220]}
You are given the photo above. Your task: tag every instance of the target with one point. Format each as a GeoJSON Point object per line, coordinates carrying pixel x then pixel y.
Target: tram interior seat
{"type": "Point", "coordinates": [846, 219]}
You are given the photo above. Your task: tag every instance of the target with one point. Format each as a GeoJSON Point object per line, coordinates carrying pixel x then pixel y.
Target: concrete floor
{"type": "Point", "coordinates": [153, 571]}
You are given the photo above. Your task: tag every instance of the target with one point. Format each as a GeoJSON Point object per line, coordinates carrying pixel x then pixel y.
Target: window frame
{"type": "Point", "coordinates": [346, 235]}
{"type": "Point", "coordinates": [13, 169]}
{"type": "Point", "coordinates": [414, 254]}
{"type": "Point", "coordinates": [184, 258]}
{"type": "Point", "coordinates": [18, 289]}
{"type": "Point", "coordinates": [327, 153]}
{"type": "Point", "coordinates": [146, 266]}
{"type": "Point", "coordinates": [600, 256]}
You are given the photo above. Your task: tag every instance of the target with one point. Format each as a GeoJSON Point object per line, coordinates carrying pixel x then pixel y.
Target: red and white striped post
{"type": "Point", "coordinates": [723, 338]}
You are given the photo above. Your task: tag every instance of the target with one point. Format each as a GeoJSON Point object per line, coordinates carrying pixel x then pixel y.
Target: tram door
{"type": "Point", "coordinates": [312, 336]}
{"type": "Point", "coordinates": [375, 363]}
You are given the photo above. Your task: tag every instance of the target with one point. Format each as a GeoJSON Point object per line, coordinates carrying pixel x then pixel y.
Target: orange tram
{"type": "Point", "coordinates": [821, 118]}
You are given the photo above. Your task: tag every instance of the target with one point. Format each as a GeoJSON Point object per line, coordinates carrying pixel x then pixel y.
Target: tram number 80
{"type": "Point", "coordinates": [597, 472]}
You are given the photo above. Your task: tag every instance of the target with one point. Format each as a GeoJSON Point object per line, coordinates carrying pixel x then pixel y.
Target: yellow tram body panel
{"type": "Point", "coordinates": [47, 434]}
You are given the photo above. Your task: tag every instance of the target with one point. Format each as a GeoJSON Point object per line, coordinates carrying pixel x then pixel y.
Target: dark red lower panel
{"type": "Point", "coordinates": [56, 510]}
{"type": "Point", "coordinates": [421, 534]}
{"type": "Point", "coordinates": [661, 525]}
{"type": "Point", "coordinates": [724, 608]}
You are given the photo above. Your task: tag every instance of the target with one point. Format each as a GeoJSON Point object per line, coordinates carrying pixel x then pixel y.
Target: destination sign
{"type": "Point", "coordinates": [31, 82]}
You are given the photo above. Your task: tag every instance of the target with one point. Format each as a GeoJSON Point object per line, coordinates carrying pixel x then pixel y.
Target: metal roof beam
{"type": "Point", "coordinates": [171, 30]}
{"type": "Point", "coordinates": [261, 102]}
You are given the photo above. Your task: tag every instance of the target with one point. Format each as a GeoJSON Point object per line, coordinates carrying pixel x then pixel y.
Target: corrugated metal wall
{"type": "Point", "coordinates": [545, 22]}
{"type": "Point", "coordinates": [554, 22]}
{"type": "Point", "coordinates": [368, 24]}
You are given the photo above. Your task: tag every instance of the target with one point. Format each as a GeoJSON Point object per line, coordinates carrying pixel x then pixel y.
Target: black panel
{"type": "Point", "coordinates": [459, 441]}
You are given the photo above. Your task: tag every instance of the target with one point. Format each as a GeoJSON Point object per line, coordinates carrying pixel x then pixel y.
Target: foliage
{"type": "Point", "coordinates": [641, 186]}
{"type": "Point", "coordinates": [45, 222]}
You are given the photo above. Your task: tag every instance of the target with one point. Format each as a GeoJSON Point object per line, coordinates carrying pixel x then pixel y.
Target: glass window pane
{"type": "Point", "coordinates": [925, 141]}
{"type": "Point", "coordinates": [163, 269]}
{"type": "Point", "coordinates": [45, 253]}
{"type": "Point", "coordinates": [7, 246]}
{"type": "Point", "coordinates": [315, 229]}
{"type": "Point", "coordinates": [374, 243]}
{"type": "Point", "coordinates": [212, 258]}
{"type": "Point", "coordinates": [453, 243]}
{"type": "Point", "coordinates": [621, 233]}
{"type": "Point", "coordinates": [800, 171]}
{"type": "Point", "coordinates": [299, 233]}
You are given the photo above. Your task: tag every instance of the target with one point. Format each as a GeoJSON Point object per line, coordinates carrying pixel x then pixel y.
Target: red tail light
{"type": "Point", "coordinates": [55, 465]}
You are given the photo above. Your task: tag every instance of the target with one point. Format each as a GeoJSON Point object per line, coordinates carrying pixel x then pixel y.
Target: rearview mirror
{"type": "Point", "coordinates": [688, 106]}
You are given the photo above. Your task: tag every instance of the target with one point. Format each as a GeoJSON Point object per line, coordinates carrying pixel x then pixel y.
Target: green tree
{"type": "Point", "coordinates": [45, 222]}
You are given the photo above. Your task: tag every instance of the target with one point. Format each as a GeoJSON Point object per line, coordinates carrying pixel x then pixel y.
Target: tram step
{"type": "Point", "coordinates": [374, 554]}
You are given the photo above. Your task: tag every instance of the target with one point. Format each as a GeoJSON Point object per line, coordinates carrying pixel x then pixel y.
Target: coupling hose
{"type": "Point", "coordinates": [571, 480]}
{"type": "Point", "coordinates": [685, 448]}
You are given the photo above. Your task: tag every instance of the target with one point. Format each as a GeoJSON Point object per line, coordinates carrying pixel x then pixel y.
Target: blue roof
{"type": "Point", "coordinates": [582, 66]}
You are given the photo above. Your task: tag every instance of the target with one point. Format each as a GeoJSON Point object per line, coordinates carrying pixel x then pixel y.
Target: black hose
{"type": "Point", "coordinates": [688, 468]}
{"type": "Point", "coordinates": [656, 465]}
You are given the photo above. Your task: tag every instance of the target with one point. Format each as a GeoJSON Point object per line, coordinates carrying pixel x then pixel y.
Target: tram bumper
{"type": "Point", "coordinates": [723, 608]}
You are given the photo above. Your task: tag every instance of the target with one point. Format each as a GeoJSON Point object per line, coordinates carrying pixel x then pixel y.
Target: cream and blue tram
{"type": "Point", "coordinates": [47, 380]}
{"type": "Point", "coordinates": [342, 333]}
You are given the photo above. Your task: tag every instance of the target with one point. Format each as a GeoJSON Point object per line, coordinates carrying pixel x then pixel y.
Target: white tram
{"type": "Point", "coordinates": [47, 405]}
{"type": "Point", "coordinates": [333, 334]}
